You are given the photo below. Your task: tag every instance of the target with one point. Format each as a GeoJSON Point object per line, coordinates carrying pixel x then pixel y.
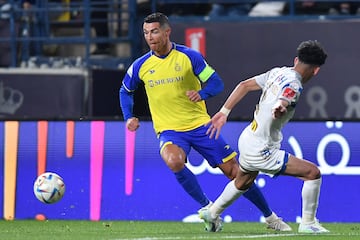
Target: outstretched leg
{"type": "Point", "coordinates": [191, 185]}
{"type": "Point", "coordinates": [255, 196]}
{"type": "Point", "coordinates": [272, 221]}
{"type": "Point", "coordinates": [174, 157]}
{"type": "Point", "coordinates": [310, 200]}
{"type": "Point", "coordinates": [311, 175]}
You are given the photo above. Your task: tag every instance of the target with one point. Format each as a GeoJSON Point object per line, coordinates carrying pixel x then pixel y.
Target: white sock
{"type": "Point", "coordinates": [227, 197]}
{"type": "Point", "coordinates": [310, 200]}
{"type": "Point", "coordinates": [272, 217]}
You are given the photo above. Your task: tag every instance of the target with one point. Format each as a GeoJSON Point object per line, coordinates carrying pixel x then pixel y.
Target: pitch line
{"type": "Point", "coordinates": [229, 236]}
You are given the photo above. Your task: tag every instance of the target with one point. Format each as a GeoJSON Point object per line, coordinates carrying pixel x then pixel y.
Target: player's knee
{"type": "Point", "coordinates": [230, 168]}
{"type": "Point", "coordinates": [314, 173]}
{"type": "Point", "coordinates": [242, 185]}
{"type": "Point", "coordinates": [174, 157]}
{"type": "Point", "coordinates": [233, 172]}
{"type": "Point", "coordinates": [175, 163]}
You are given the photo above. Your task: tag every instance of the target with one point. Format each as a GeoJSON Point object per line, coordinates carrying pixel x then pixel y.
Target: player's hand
{"type": "Point", "coordinates": [278, 110]}
{"type": "Point", "coordinates": [132, 124]}
{"type": "Point", "coordinates": [216, 123]}
{"type": "Point", "coordinates": [193, 96]}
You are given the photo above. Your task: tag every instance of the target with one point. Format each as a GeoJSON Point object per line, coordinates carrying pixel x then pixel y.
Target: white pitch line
{"type": "Point", "coordinates": [214, 236]}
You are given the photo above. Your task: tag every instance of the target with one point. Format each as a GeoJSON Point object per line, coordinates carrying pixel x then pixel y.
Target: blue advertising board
{"type": "Point", "coordinates": [113, 174]}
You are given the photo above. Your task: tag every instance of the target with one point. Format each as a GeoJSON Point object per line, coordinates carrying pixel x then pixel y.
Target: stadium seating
{"type": "Point", "coordinates": [57, 33]}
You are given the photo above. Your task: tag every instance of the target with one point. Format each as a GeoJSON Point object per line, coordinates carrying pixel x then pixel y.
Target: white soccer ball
{"type": "Point", "coordinates": [49, 187]}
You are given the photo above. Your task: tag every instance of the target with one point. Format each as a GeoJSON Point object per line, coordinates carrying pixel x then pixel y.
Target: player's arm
{"type": "Point", "coordinates": [279, 108]}
{"type": "Point", "coordinates": [126, 97]}
{"type": "Point", "coordinates": [127, 104]}
{"type": "Point", "coordinates": [289, 96]}
{"type": "Point", "coordinates": [214, 85]}
{"type": "Point", "coordinates": [240, 91]}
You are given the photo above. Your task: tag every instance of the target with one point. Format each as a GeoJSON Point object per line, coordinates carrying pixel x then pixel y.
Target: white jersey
{"type": "Point", "coordinates": [260, 141]}
{"type": "Point", "coordinates": [279, 83]}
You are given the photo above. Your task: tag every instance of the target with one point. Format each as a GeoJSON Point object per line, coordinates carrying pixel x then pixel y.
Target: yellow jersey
{"type": "Point", "coordinates": [167, 79]}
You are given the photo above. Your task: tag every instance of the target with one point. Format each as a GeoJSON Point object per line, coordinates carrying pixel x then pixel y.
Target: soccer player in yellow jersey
{"type": "Point", "coordinates": [173, 75]}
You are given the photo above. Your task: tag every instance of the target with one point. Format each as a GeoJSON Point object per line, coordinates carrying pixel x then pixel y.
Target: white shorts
{"type": "Point", "coordinates": [254, 157]}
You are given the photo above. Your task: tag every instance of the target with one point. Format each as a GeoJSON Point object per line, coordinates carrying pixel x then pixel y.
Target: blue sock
{"type": "Point", "coordinates": [257, 198]}
{"type": "Point", "coordinates": [190, 184]}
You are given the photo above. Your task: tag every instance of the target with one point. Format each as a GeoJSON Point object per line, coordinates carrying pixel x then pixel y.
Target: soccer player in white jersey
{"type": "Point", "coordinates": [173, 75]}
{"type": "Point", "coordinates": [259, 143]}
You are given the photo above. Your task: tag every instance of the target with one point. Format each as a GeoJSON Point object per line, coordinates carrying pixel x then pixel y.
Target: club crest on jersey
{"type": "Point", "coordinates": [177, 67]}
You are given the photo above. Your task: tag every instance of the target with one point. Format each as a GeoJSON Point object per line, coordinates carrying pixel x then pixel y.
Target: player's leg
{"type": "Point", "coordinates": [231, 192]}
{"type": "Point", "coordinates": [219, 154]}
{"type": "Point", "coordinates": [175, 158]}
{"type": "Point", "coordinates": [272, 221]}
{"type": "Point", "coordinates": [254, 195]}
{"type": "Point", "coordinates": [311, 175]}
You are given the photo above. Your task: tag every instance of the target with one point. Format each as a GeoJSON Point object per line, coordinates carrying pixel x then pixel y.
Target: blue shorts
{"type": "Point", "coordinates": [215, 151]}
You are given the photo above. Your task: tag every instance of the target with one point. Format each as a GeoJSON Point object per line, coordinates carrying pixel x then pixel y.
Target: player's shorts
{"type": "Point", "coordinates": [215, 151]}
{"type": "Point", "coordinates": [256, 158]}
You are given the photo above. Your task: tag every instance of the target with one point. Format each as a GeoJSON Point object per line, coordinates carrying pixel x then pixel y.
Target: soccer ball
{"type": "Point", "coordinates": [49, 187]}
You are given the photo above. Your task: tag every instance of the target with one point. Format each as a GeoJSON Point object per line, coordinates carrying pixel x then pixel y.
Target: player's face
{"type": "Point", "coordinates": [307, 71]}
{"type": "Point", "coordinates": [310, 72]}
{"type": "Point", "coordinates": [156, 37]}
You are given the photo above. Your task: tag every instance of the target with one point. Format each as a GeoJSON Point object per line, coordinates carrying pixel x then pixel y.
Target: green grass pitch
{"type": "Point", "coordinates": [141, 230]}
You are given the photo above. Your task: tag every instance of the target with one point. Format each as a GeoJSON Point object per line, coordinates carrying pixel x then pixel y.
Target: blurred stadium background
{"type": "Point", "coordinates": [59, 108]}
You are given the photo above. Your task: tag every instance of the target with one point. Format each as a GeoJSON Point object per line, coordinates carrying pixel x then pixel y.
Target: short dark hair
{"type": "Point", "coordinates": [157, 17]}
{"type": "Point", "coordinates": [311, 52]}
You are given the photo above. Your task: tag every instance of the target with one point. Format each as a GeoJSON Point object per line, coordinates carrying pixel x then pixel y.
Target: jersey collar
{"type": "Point", "coordinates": [164, 56]}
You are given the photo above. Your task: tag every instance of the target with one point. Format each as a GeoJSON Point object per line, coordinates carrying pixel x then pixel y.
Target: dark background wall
{"type": "Point", "coordinates": [5, 48]}
{"type": "Point", "coordinates": [238, 50]}
{"type": "Point", "coordinates": [105, 95]}
{"type": "Point", "coordinates": [43, 93]}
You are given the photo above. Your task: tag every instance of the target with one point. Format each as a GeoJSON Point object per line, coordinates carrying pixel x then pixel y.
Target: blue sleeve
{"type": "Point", "coordinates": [129, 85]}
{"type": "Point", "coordinates": [126, 102]}
{"type": "Point", "coordinates": [214, 85]}
{"type": "Point", "coordinates": [206, 74]}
